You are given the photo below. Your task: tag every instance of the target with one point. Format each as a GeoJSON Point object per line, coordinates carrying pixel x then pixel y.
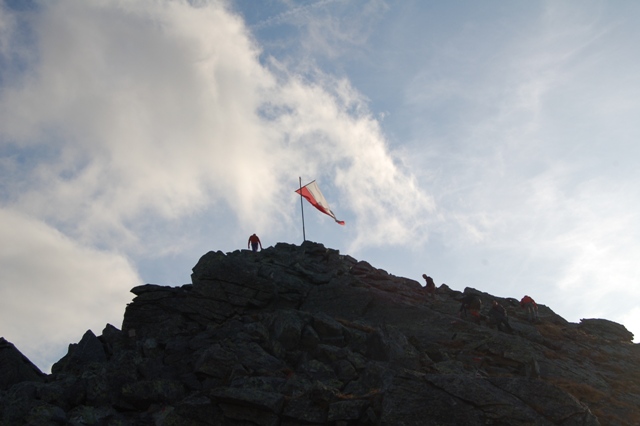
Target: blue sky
{"type": "Point", "coordinates": [488, 144]}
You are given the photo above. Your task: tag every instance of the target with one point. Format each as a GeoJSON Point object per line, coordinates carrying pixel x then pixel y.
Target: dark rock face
{"type": "Point", "coordinates": [301, 335]}
{"type": "Point", "coordinates": [15, 367]}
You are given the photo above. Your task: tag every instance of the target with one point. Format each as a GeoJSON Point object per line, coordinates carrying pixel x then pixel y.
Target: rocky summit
{"type": "Point", "coordinates": [303, 335]}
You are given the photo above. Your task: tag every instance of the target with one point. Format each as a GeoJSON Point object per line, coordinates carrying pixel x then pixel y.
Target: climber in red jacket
{"type": "Point", "coordinates": [254, 241]}
{"type": "Point", "coordinates": [530, 305]}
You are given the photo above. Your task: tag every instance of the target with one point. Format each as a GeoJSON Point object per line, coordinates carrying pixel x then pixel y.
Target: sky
{"type": "Point", "coordinates": [490, 144]}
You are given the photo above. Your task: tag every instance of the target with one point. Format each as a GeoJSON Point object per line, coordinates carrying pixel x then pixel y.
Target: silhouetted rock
{"type": "Point", "coordinates": [605, 329]}
{"type": "Point", "coordinates": [304, 335]}
{"type": "Point", "coordinates": [15, 367]}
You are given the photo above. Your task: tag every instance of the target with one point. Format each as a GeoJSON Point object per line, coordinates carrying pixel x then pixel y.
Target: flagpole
{"type": "Point", "coordinates": [304, 237]}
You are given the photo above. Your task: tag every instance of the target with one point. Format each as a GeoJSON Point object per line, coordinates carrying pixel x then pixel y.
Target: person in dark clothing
{"type": "Point", "coordinates": [430, 287]}
{"type": "Point", "coordinates": [472, 305]}
{"type": "Point", "coordinates": [498, 316]}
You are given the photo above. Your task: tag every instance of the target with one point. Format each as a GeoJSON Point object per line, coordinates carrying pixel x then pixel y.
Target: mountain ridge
{"type": "Point", "coordinates": [305, 335]}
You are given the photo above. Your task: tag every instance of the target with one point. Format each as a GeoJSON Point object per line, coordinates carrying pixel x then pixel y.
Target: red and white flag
{"type": "Point", "coordinates": [313, 195]}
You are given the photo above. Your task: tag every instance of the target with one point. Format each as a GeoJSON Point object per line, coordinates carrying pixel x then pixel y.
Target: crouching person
{"type": "Point", "coordinates": [470, 307]}
{"type": "Point", "coordinates": [498, 317]}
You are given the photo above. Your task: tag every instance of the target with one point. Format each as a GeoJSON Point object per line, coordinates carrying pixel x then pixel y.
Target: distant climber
{"type": "Point", "coordinates": [530, 305]}
{"type": "Point", "coordinates": [430, 288]}
{"type": "Point", "coordinates": [498, 317]}
{"type": "Point", "coordinates": [254, 241]}
{"type": "Point", "coordinates": [470, 304]}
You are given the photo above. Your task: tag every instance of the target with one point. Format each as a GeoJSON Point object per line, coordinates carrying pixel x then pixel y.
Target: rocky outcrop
{"type": "Point", "coordinates": [299, 335]}
{"type": "Point", "coordinates": [15, 367]}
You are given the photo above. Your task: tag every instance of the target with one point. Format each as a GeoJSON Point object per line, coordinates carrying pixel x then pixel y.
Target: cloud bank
{"type": "Point", "coordinates": [118, 118]}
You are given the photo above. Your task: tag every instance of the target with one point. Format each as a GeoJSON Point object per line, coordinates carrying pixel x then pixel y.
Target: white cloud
{"type": "Point", "coordinates": [133, 117]}
{"type": "Point", "coordinates": [152, 108]}
{"type": "Point", "coordinates": [53, 289]}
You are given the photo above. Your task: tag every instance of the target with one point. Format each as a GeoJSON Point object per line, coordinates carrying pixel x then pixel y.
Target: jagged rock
{"type": "Point", "coordinates": [88, 350]}
{"type": "Point", "coordinates": [304, 335]}
{"type": "Point", "coordinates": [606, 329]}
{"type": "Point", "coordinates": [15, 367]}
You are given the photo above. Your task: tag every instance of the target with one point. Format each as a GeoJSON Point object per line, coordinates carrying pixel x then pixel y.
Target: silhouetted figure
{"type": "Point", "coordinates": [430, 288]}
{"type": "Point", "coordinates": [254, 241]}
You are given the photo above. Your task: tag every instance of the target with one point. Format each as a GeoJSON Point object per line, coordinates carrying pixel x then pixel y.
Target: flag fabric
{"type": "Point", "coordinates": [313, 195]}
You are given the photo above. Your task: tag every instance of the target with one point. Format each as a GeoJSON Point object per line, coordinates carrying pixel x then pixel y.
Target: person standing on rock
{"type": "Point", "coordinates": [430, 287]}
{"type": "Point", "coordinates": [530, 305]}
{"type": "Point", "coordinates": [254, 241]}
{"type": "Point", "coordinates": [498, 316]}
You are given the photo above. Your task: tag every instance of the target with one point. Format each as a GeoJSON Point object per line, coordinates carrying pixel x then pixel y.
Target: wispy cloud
{"type": "Point", "coordinates": [526, 151]}
{"type": "Point", "coordinates": [325, 29]}
{"type": "Point", "coordinates": [294, 13]}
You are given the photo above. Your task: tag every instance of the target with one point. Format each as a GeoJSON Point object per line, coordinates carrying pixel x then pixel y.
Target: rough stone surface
{"type": "Point", "coordinates": [299, 335]}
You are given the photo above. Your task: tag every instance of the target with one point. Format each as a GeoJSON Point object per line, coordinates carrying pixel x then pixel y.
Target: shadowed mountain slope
{"type": "Point", "coordinates": [302, 335]}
